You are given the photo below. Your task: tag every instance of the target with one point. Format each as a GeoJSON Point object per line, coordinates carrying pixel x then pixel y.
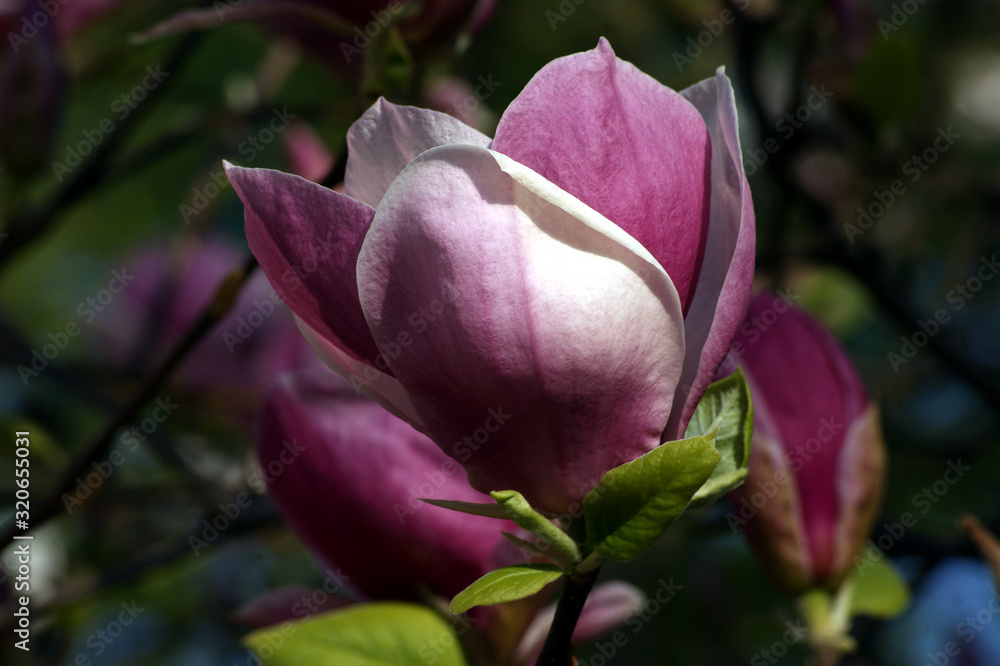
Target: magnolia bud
{"type": "Point", "coordinates": [817, 460]}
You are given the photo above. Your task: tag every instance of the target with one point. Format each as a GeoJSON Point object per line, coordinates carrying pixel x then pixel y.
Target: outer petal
{"type": "Point", "coordinates": [384, 389]}
{"type": "Point", "coordinates": [387, 137]}
{"type": "Point", "coordinates": [624, 144]}
{"type": "Point", "coordinates": [767, 506]}
{"type": "Point", "coordinates": [346, 474]}
{"type": "Point", "coordinates": [540, 344]}
{"type": "Point", "coordinates": [724, 284]}
{"type": "Point", "coordinates": [860, 488]}
{"type": "Point", "coordinates": [307, 239]}
{"type": "Point", "coordinates": [608, 606]}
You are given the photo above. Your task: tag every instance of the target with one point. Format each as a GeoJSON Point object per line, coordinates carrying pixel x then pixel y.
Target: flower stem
{"type": "Point", "coordinates": [557, 650]}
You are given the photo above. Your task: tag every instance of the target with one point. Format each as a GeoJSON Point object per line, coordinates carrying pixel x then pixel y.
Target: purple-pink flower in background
{"type": "Point", "coordinates": [817, 460]}
{"type": "Point", "coordinates": [347, 476]}
{"type": "Point", "coordinates": [163, 291]}
{"type": "Point", "coordinates": [546, 305]}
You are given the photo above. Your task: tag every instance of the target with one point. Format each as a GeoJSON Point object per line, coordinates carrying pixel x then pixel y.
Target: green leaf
{"type": "Point", "coordinates": [507, 584]}
{"type": "Point", "coordinates": [635, 503]}
{"type": "Point", "coordinates": [486, 510]}
{"type": "Point", "coordinates": [728, 408]}
{"type": "Point", "coordinates": [879, 590]}
{"type": "Point", "coordinates": [377, 634]}
{"type": "Point", "coordinates": [526, 517]}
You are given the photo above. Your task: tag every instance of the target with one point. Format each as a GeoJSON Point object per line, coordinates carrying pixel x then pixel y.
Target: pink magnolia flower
{"type": "Point", "coordinates": [817, 460]}
{"type": "Point", "coordinates": [347, 475]}
{"type": "Point", "coordinates": [546, 305]}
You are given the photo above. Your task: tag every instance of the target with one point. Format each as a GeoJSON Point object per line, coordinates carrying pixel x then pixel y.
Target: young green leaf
{"type": "Point", "coordinates": [507, 584]}
{"type": "Point", "coordinates": [728, 408]}
{"type": "Point", "coordinates": [635, 503]}
{"type": "Point", "coordinates": [485, 510]}
{"type": "Point", "coordinates": [377, 634]}
{"type": "Point", "coordinates": [526, 517]}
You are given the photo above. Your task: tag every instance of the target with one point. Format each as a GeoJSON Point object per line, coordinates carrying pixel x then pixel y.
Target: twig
{"type": "Point", "coordinates": [985, 541]}
{"type": "Point", "coordinates": [557, 650]}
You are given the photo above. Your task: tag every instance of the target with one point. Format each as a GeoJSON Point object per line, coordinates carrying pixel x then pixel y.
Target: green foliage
{"type": "Point", "coordinates": [635, 503]}
{"type": "Point", "coordinates": [727, 409]}
{"type": "Point", "coordinates": [889, 83]}
{"type": "Point", "coordinates": [879, 591]}
{"type": "Point", "coordinates": [507, 584]}
{"type": "Point", "coordinates": [378, 634]}
{"type": "Point", "coordinates": [526, 517]}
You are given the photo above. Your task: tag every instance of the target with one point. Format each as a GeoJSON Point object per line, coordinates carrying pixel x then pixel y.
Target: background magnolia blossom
{"type": "Point", "coordinates": [817, 453]}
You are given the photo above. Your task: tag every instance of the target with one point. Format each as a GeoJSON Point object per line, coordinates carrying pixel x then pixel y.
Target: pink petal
{"type": "Point", "coordinates": [307, 239]}
{"type": "Point", "coordinates": [767, 509]}
{"type": "Point", "coordinates": [387, 137]}
{"type": "Point", "coordinates": [608, 606]}
{"type": "Point", "coordinates": [860, 488]}
{"type": "Point", "coordinates": [540, 343]}
{"type": "Point", "coordinates": [346, 476]}
{"type": "Point", "coordinates": [724, 284]}
{"type": "Point", "coordinates": [363, 378]}
{"type": "Point", "coordinates": [629, 147]}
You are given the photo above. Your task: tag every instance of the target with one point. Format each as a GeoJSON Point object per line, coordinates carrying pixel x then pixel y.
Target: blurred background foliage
{"type": "Point", "coordinates": [897, 73]}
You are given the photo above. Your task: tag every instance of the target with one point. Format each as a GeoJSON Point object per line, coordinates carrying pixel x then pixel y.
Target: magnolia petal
{"type": "Point", "coordinates": [623, 143]}
{"type": "Point", "coordinates": [539, 345]}
{"type": "Point", "coordinates": [767, 507]}
{"type": "Point", "coordinates": [345, 474]}
{"type": "Point", "coordinates": [387, 137]}
{"type": "Point", "coordinates": [382, 388]}
{"type": "Point", "coordinates": [306, 238]}
{"type": "Point", "coordinates": [860, 488]}
{"type": "Point", "coordinates": [608, 606]}
{"type": "Point", "coordinates": [724, 283]}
